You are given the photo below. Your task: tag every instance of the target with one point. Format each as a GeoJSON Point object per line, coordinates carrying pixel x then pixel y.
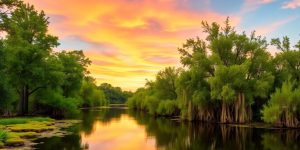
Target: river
{"type": "Point", "coordinates": [125, 129]}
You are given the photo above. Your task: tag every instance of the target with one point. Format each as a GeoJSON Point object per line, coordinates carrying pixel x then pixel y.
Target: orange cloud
{"type": "Point", "coordinates": [128, 41]}
{"type": "Point", "coordinates": [291, 4]}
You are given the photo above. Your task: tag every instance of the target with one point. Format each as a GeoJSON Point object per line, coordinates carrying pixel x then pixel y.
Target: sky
{"type": "Point", "coordinates": [129, 41]}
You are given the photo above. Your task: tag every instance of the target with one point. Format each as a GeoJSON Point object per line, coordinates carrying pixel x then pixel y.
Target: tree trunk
{"type": "Point", "coordinates": [225, 114]}
{"type": "Point", "coordinates": [190, 111]}
{"type": "Point", "coordinates": [205, 113]}
{"type": "Point", "coordinates": [241, 113]}
{"type": "Point", "coordinates": [24, 96]}
{"type": "Point", "coordinates": [289, 119]}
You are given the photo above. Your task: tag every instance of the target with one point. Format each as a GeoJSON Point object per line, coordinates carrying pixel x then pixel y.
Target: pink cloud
{"type": "Point", "coordinates": [122, 35]}
{"type": "Point", "coordinates": [293, 4]}
{"type": "Point", "coordinates": [251, 5]}
{"type": "Point", "coordinates": [263, 30]}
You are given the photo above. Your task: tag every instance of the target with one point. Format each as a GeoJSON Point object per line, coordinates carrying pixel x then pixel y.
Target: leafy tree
{"type": "Point", "coordinates": [29, 45]}
{"type": "Point", "coordinates": [74, 69]}
{"type": "Point", "coordinates": [287, 62]}
{"type": "Point", "coordinates": [192, 86]}
{"type": "Point", "coordinates": [159, 96]}
{"type": "Point", "coordinates": [283, 107]}
{"type": "Point", "coordinates": [241, 71]}
{"type": "Point", "coordinates": [90, 95]}
{"type": "Point", "coordinates": [114, 95]}
{"type": "Point", "coordinates": [165, 83]}
{"type": "Point", "coordinates": [223, 76]}
{"type": "Point", "coordinates": [6, 90]}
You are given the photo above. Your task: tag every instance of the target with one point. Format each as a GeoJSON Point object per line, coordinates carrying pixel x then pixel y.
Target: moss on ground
{"type": "Point", "coordinates": [32, 126]}
{"type": "Point", "coordinates": [14, 142]}
{"type": "Point", "coordinates": [22, 131]}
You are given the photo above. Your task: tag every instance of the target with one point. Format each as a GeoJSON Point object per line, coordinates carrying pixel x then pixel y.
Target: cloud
{"type": "Point", "coordinates": [123, 36]}
{"type": "Point", "coordinates": [251, 5]}
{"type": "Point", "coordinates": [265, 29]}
{"type": "Point", "coordinates": [293, 4]}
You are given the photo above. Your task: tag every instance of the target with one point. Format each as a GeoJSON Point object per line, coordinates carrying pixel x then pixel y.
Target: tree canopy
{"type": "Point", "coordinates": [229, 77]}
{"type": "Point", "coordinates": [35, 79]}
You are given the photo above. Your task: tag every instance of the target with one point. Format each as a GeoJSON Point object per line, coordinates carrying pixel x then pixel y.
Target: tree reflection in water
{"type": "Point", "coordinates": [177, 135]}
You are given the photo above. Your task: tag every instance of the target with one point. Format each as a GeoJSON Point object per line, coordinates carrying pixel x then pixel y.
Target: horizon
{"type": "Point", "coordinates": [121, 37]}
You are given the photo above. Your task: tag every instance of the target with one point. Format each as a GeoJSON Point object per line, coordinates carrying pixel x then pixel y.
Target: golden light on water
{"type": "Point", "coordinates": [123, 133]}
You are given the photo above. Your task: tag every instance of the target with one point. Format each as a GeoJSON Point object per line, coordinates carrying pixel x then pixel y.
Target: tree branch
{"type": "Point", "coordinates": [36, 89]}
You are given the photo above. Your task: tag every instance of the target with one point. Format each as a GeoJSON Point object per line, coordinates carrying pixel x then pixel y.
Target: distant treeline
{"type": "Point", "coordinates": [114, 95]}
{"type": "Point", "coordinates": [228, 77]}
{"type": "Point", "coordinates": [34, 79]}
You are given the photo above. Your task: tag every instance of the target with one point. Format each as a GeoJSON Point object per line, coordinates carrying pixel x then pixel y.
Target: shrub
{"type": "Point", "coordinates": [167, 107]}
{"type": "Point", "coordinates": [283, 107]}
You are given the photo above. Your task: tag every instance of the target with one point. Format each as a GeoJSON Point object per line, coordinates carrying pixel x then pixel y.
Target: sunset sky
{"type": "Point", "coordinates": [128, 41]}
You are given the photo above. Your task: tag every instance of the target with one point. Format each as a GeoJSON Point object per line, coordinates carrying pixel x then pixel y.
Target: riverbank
{"type": "Point", "coordinates": [16, 133]}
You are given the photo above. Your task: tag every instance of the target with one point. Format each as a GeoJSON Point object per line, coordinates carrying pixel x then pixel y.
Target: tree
{"type": "Point", "coordinates": [29, 45]}
{"type": "Point", "coordinates": [283, 107]}
{"type": "Point", "coordinates": [165, 83]}
{"type": "Point", "coordinates": [114, 95]}
{"type": "Point", "coordinates": [75, 69]}
{"type": "Point", "coordinates": [90, 95]}
{"type": "Point", "coordinates": [159, 97]}
{"type": "Point", "coordinates": [241, 71]}
{"type": "Point", "coordinates": [192, 86]}
{"type": "Point", "coordinates": [6, 90]}
{"type": "Point", "coordinates": [287, 62]}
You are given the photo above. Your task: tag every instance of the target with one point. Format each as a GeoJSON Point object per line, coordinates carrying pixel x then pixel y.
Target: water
{"type": "Point", "coordinates": [123, 129]}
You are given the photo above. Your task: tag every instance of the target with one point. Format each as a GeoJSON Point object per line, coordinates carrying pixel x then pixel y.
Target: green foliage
{"type": "Point", "coordinates": [3, 135]}
{"type": "Point", "coordinates": [28, 45]}
{"type": "Point", "coordinates": [114, 95]}
{"type": "Point", "coordinates": [52, 102]}
{"type": "Point", "coordinates": [90, 95]}
{"type": "Point", "coordinates": [167, 108]}
{"type": "Point", "coordinates": [74, 68]}
{"type": "Point", "coordinates": [49, 82]}
{"type": "Point", "coordinates": [9, 121]}
{"type": "Point", "coordinates": [283, 106]}
{"type": "Point", "coordinates": [227, 66]}
{"type": "Point", "coordinates": [165, 83]}
{"type": "Point", "coordinates": [225, 77]}
{"type": "Point", "coordinates": [152, 103]}
{"type": "Point", "coordinates": [153, 98]}
{"type": "Point", "coordinates": [137, 98]}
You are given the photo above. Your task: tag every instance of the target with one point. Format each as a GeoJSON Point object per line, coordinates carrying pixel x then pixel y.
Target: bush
{"type": "Point", "coordinates": [90, 95]}
{"type": "Point", "coordinates": [53, 102]}
{"type": "Point", "coordinates": [152, 104]}
{"type": "Point", "coordinates": [283, 107]}
{"type": "Point", "coordinates": [138, 100]}
{"type": "Point", "coordinates": [167, 108]}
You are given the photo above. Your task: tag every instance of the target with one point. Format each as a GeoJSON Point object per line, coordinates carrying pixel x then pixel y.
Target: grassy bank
{"type": "Point", "coordinates": [21, 132]}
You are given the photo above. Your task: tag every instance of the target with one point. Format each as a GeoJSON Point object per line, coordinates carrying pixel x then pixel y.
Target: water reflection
{"type": "Point", "coordinates": [126, 129]}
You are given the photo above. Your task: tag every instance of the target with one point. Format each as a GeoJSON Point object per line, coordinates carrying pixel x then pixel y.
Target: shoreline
{"type": "Point", "coordinates": [18, 132]}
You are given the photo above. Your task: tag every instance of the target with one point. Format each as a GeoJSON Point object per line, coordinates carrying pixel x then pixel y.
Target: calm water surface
{"type": "Point", "coordinates": [124, 129]}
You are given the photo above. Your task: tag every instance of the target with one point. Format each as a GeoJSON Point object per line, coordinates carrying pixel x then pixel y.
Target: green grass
{"type": "Point", "coordinates": [32, 126]}
{"type": "Point", "coordinates": [3, 135]}
{"type": "Point", "coordinates": [10, 121]}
